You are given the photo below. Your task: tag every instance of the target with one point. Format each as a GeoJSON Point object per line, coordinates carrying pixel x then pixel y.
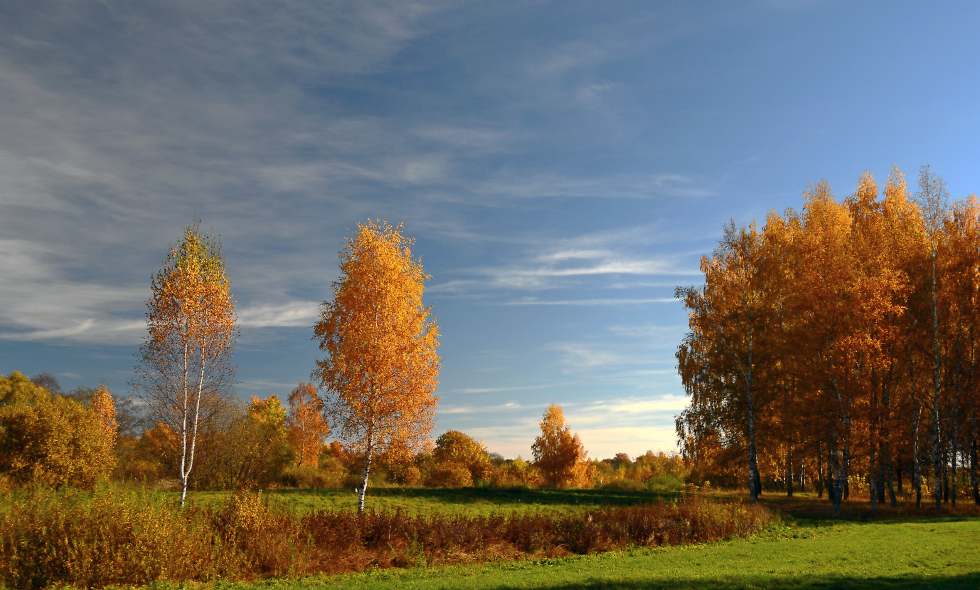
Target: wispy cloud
{"type": "Point", "coordinates": [544, 185]}
{"type": "Point", "coordinates": [502, 389]}
{"type": "Point", "coordinates": [480, 409]}
{"type": "Point", "coordinates": [611, 301]}
{"type": "Point", "coordinates": [295, 314]}
{"type": "Point", "coordinates": [569, 261]}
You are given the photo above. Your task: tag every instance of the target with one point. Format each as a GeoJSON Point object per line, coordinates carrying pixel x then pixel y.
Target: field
{"type": "Point", "coordinates": [120, 536]}
{"type": "Point", "coordinates": [806, 547]}
{"type": "Point", "coordinates": [804, 552]}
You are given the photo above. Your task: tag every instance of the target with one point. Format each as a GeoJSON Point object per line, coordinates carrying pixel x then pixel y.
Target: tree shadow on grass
{"type": "Point", "coordinates": [503, 496]}
{"type": "Point", "coordinates": [522, 496]}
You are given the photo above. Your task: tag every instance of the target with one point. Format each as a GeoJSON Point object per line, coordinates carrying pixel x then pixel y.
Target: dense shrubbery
{"type": "Point", "coordinates": [121, 538]}
{"type": "Point", "coordinates": [51, 440]}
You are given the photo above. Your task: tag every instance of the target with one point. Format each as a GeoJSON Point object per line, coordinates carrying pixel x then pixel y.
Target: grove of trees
{"type": "Point", "coordinates": [837, 347]}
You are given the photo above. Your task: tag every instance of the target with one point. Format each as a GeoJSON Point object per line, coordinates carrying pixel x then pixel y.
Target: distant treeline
{"type": "Point", "coordinates": [52, 437]}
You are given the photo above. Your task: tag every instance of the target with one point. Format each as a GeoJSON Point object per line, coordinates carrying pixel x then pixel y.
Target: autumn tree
{"type": "Point", "coordinates": [558, 453]}
{"type": "Point", "coordinates": [456, 447]}
{"type": "Point", "coordinates": [932, 199]}
{"type": "Point", "coordinates": [185, 367]}
{"type": "Point", "coordinates": [308, 428]}
{"type": "Point", "coordinates": [381, 367]}
{"type": "Point", "coordinates": [867, 344]}
{"type": "Point", "coordinates": [725, 360]}
{"type": "Point", "coordinates": [253, 449]}
{"type": "Point", "coordinates": [50, 439]}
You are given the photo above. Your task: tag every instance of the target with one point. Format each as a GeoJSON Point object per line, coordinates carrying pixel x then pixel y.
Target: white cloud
{"type": "Point", "coordinates": [500, 389]}
{"type": "Point", "coordinates": [294, 314]}
{"type": "Point", "coordinates": [546, 185]}
{"type": "Point", "coordinates": [611, 301]}
{"type": "Point", "coordinates": [509, 406]}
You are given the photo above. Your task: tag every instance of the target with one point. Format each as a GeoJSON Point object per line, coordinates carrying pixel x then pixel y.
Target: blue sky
{"type": "Point", "coordinates": [562, 165]}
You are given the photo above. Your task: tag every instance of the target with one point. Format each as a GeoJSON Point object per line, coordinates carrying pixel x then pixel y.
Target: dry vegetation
{"type": "Point", "coordinates": [117, 537]}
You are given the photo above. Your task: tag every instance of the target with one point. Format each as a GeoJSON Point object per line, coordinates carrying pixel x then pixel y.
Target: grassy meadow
{"type": "Point", "coordinates": [477, 538]}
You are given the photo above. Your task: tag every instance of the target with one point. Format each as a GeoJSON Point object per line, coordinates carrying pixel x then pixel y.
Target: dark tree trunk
{"type": "Point", "coordinates": [820, 471]}
{"type": "Point", "coordinates": [789, 475]}
{"type": "Point", "coordinates": [974, 476]}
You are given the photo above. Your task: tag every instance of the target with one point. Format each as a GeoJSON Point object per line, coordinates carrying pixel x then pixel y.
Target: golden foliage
{"type": "Point", "coordinates": [105, 408]}
{"type": "Point", "coordinates": [185, 360]}
{"type": "Point", "coordinates": [559, 454]}
{"type": "Point", "coordinates": [50, 440]}
{"type": "Point", "coordinates": [381, 367]}
{"type": "Point", "coordinates": [828, 336]}
{"type": "Point", "coordinates": [456, 447]}
{"type": "Point", "coordinates": [308, 429]}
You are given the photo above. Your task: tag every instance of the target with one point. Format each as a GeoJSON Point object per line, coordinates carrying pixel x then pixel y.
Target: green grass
{"type": "Point", "coordinates": [934, 552]}
{"type": "Point", "coordinates": [467, 501]}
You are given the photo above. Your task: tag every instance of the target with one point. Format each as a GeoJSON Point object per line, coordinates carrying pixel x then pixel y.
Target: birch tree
{"type": "Point", "coordinates": [184, 364]}
{"type": "Point", "coordinates": [381, 367]}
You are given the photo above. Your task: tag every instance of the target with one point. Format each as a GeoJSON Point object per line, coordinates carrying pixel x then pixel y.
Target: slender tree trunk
{"type": "Point", "coordinates": [873, 481]}
{"type": "Point", "coordinates": [820, 473]}
{"type": "Point", "coordinates": [936, 458]}
{"type": "Point", "coordinates": [916, 466]}
{"type": "Point", "coordinates": [898, 476]}
{"type": "Point", "coordinates": [955, 438]}
{"type": "Point", "coordinates": [974, 476]}
{"type": "Point", "coordinates": [891, 483]}
{"type": "Point", "coordinates": [364, 482]}
{"type": "Point", "coordinates": [183, 427]}
{"type": "Point", "coordinates": [888, 455]}
{"type": "Point", "coordinates": [945, 470]}
{"type": "Point", "coordinates": [789, 475]}
{"type": "Point", "coordinates": [836, 473]}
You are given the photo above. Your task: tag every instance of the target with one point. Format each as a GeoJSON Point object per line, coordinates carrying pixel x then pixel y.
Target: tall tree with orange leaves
{"type": "Point", "coordinates": [725, 361]}
{"type": "Point", "coordinates": [381, 367]}
{"type": "Point", "coordinates": [308, 429]}
{"type": "Point", "coordinates": [185, 366]}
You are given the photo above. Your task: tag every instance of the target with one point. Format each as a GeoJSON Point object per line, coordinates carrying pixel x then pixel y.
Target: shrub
{"type": "Point", "coordinates": [311, 478]}
{"type": "Point", "coordinates": [665, 483]}
{"type": "Point", "coordinates": [50, 440]}
{"type": "Point", "coordinates": [112, 538]}
{"type": "Point", "coordinates": [625, 485]}
{"type": "Point", "coordinates": [456, 447]}
{"type": "Point", "coordinates": [412, 476]}
{"type": "Point", "coordinates": [450, 475]}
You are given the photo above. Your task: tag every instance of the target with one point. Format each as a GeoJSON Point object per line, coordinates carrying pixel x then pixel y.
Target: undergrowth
{"type": "Point", "coordinates": [119, 537]}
